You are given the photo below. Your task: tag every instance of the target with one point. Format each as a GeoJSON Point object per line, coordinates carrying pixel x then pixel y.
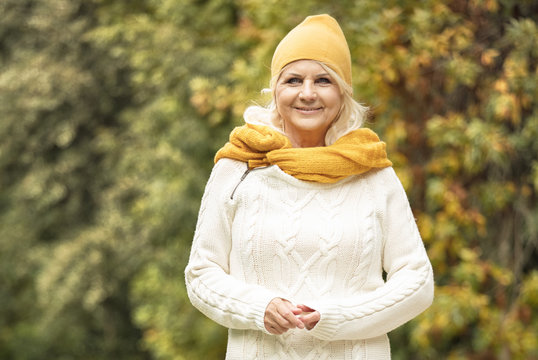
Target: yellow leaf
{"type": "Point", "coordinates": [489, 56]}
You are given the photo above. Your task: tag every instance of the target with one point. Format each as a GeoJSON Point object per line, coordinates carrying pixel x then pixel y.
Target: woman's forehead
{"type": "Point", "coordinates": [304, 66]}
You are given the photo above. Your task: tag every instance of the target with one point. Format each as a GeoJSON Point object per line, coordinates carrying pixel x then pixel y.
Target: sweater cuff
{"type": "Point", "coordinates": [329, 322]}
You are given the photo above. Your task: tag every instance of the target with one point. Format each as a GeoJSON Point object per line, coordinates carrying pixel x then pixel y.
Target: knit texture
{"type": "Point", "coordinates": [323, 245]}
{"type": "Point", "coordinates": [320, 38]}
{"type": "Point", "coordinates": [352, 154]}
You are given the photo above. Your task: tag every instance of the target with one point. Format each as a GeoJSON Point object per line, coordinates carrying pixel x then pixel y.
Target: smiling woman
{"type": "Point", "coordinates": [301, 217]}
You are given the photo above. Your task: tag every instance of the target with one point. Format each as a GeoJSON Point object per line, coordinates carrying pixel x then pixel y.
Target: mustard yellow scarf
{"type": "Point", "coordinates": [354, 153]}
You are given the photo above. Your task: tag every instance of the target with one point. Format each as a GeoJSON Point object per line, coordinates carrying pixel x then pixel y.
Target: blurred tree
{"type": "Point", "coordinates": [172, 48]}
{"type": "Point", "coordinates": [64, 293]}
{"type": "Point", "coordinates": [112, 111]}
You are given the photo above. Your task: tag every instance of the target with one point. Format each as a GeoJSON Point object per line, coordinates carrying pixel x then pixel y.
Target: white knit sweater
{"type": "Point", "coordinates": [323, 245]}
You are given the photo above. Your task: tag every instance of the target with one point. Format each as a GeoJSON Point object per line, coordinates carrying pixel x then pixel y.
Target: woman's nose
{"type": "Point", "coordinates": [308, 92]}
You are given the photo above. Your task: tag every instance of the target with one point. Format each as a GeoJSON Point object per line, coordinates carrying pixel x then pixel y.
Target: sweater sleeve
{"type": "Point", "coordinates": [409, 288]}
{"type": "Point", "coordinates": [211, 289]}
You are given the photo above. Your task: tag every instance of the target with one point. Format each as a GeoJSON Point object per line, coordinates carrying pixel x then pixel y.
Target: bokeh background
{"type": "Point", "coordinates": [111, 112]}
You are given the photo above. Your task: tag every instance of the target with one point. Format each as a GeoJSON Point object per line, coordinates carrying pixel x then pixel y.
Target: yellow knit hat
{"type": "Point", "coordinates": [318, 38]}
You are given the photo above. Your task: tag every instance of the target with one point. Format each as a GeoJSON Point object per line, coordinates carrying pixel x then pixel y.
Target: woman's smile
{"type": "Point", "coordinates": [308, 111]}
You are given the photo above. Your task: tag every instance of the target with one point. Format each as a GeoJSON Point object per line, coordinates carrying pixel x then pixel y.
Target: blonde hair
{"type": "Point", "coordinates": [351, 116]}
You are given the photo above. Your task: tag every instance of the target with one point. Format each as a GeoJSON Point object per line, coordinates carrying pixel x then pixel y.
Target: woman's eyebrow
{"type": "Point", "coordinates": [292, 74]}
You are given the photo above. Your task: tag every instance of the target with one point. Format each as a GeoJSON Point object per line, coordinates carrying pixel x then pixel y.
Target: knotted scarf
{"type": "Point", "coordinates": [354, 153]}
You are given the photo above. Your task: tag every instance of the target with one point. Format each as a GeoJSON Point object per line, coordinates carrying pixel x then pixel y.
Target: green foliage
{"type": "Point", "coordinates": [111, 112]}
{"type": "Point", "coordinates": [61, 100]}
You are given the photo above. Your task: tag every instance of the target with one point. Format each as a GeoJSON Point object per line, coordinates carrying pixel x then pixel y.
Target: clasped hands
{"type": "Point", "coordinates": [281, 315]}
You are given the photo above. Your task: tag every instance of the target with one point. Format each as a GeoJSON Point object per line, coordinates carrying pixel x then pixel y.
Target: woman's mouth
{"type": "Point", "coordinates": [308, 110]}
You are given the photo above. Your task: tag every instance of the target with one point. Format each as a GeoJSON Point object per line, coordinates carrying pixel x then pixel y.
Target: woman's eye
{"type": "Point", "coordinates": [324, 81]}
{"type": "Point", "coordinates": [293, 81]}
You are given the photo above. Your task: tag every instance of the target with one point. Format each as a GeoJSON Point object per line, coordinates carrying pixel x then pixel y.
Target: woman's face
{"type": "Point", "coordinates": [308, 99]}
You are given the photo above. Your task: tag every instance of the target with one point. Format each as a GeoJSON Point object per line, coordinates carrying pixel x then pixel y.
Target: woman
{"type": "Point", "coordinates": [301, 217]}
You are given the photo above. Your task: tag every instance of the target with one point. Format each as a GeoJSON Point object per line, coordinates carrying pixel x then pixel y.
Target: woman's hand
{"type": "Point", "coordinates": [281, 315]}
{"type": "Point", "coordinates": [309, 317]}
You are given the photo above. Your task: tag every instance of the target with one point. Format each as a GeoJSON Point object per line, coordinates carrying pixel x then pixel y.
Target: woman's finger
{"type": "Point", "coordinates": [275, 329]}
{"type": "Point", "coordinates": [311, 319]}
{"type": "Point", "coordinates": [288, 315]}
{"type": "Point", "coordinates": [305, 308]}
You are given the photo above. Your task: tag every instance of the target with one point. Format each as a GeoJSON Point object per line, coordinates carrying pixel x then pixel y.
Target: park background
{"type": "Point", "coordinates": [111, 112]}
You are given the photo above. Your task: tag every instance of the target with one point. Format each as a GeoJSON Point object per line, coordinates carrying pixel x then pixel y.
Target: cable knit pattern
{"type": "Point", "coordinates": [323, 245]}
